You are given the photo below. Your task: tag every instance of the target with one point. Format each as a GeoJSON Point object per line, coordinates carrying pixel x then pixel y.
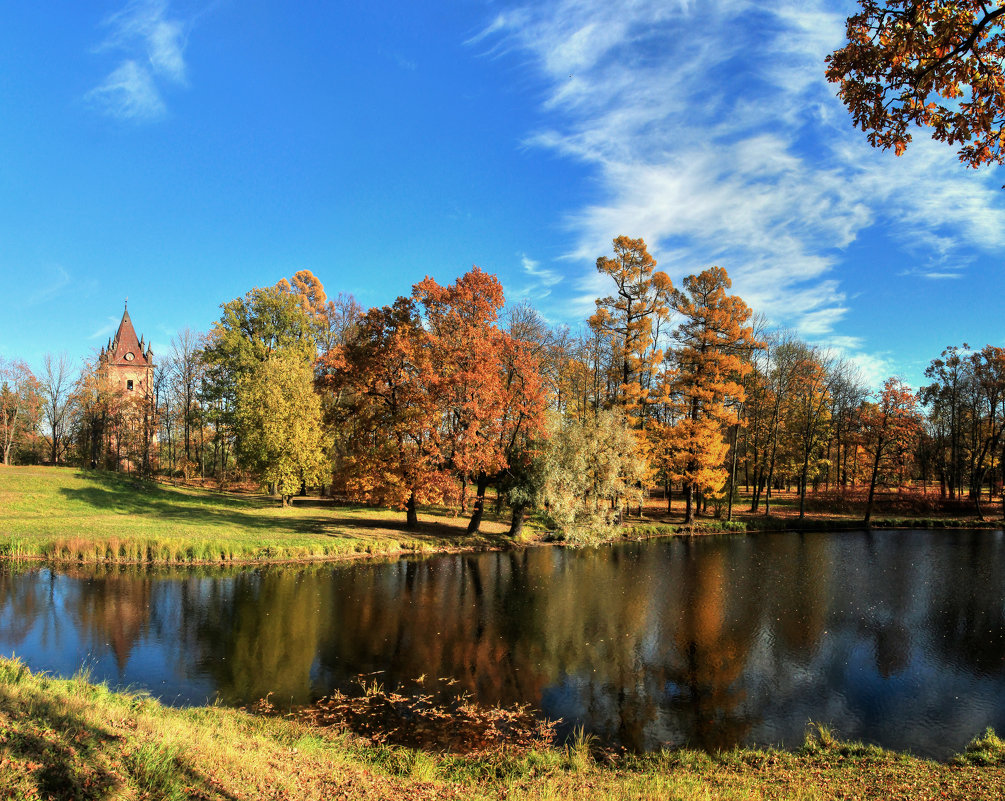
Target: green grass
{"type": "Point", "coordinates": [62, 514]}
{"type": "Point", "coordinates": [72, 739]}
{"type": "Point", "coordinates": [69, 515]}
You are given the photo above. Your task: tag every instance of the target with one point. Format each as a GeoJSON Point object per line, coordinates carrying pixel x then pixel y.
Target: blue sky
{"type": "Point", "coordinates": [180, 153]}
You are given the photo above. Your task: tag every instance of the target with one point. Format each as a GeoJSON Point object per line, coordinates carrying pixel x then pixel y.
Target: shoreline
{"type": "Point", "coordinates": [63, 517]}
{"type": "Point", "coordinates": [71, 738]}
{"type": "Point", "coordinates": [649, 531]}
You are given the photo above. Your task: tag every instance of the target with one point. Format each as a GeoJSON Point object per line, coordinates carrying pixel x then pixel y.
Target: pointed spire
{"type": "Point", "coordinates": [125, 340]}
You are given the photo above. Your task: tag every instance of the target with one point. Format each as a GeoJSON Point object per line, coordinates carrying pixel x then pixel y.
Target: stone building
{"type": "Point", "coordinates": [126, 363]}
{"type": "Point", "coordinates": [124, 435]}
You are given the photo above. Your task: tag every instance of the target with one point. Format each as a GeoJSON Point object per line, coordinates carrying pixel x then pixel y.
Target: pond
{"type": "Point", "coordinates": [893, 637]}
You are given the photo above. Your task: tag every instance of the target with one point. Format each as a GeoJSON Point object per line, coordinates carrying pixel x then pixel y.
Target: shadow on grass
{"type": "Point", "coordinates": [69, 757]}
{"type": "Point", "coordinates": [116, 494]}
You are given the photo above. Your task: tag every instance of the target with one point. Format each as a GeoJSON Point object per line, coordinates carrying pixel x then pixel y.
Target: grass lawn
{"type": "Point", "coordinates": [69, 514]}
{"type": "Point", "coordinates": [71, 739]}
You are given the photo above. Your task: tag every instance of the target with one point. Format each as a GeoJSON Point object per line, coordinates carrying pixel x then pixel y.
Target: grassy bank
{"type": "Point", "coordinates": [64, 514]}
{"type": "Point", "coordinates": [744, 525]}
{"type": "Point", "coordinates": [70, 739]}
{"type": "Point", "coordinates": [68, 515]}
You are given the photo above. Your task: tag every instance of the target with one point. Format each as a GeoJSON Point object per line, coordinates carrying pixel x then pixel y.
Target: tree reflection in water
{"type": "Point", "coordinates": [709, 642]}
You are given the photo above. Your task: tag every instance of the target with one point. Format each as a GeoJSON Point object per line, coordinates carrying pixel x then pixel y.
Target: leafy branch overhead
{"type": "Point", "coordinates": [930, 63]}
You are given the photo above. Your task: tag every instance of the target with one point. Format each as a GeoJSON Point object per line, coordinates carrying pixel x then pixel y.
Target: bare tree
{"type": "Point", "coordinates": [56, 385]}
{"type": "Point", "coordinates": [186, 369]}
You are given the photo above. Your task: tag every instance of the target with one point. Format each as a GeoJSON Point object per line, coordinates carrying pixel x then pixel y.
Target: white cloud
{"type": "Point", "coordinates": [129, 92]}
{"type": "Point", "coordinates": [152, 51]}
{"type": "Point", "coordinates": [714, 135]}
{"type": "Point", "coordinates": [541, 274]}
{"type": "Point", "coordinates": [539, 280]}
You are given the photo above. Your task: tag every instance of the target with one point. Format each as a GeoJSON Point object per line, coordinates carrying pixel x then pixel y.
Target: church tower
{"type": "Point", "coordinates": [127, 363]}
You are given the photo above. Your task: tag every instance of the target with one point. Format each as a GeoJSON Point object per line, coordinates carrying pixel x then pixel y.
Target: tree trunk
{"type": "Point", "coordinates": [802, 485]}
{"type": "Point", "coordinates": [516, 526]}
{"type": "Point", "coordinates": [872, 482]}
{"type": "Point", "coordinates": [732, 475]}
{"type": "Point", "coordinates": [411, 516]}
{"type": "Point", "coordinates": [688, 504]}
{"type": "Point", "coordinates": [476, 518]}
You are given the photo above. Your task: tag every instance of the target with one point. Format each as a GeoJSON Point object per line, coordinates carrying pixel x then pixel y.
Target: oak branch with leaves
{"type": "Point", "coordinates": [931, 63]}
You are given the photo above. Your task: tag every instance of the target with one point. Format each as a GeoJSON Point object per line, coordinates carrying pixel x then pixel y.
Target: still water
{"type": "Point", "coordinates": [895, 638]}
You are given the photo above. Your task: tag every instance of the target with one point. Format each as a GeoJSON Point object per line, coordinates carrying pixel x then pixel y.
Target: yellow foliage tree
{"type": "Point", "coordinates": [631, 319]}
{"type": "Point", "coordinates": [713, 340]}
{"type": "Point", "coordinates": [278, 424]}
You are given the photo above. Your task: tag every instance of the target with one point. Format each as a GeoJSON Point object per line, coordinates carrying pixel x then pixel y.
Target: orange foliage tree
{"type": "Point", "coordinates": [713, 340]}
{"type": "Point", "coordinates": [465, 343]}
{"type": "Point", "coordinates": [631, 319]}
{"type": "Point", "coordinates": [388, 377]}
{"type": "Point", "coordinates": [930, 63]}
{"type": "Point", "coordinates": [890, 431]}
{"type": "Point", "coordinates": [20, 405]}
{"type": "Point", "coordinates": [487, 383]}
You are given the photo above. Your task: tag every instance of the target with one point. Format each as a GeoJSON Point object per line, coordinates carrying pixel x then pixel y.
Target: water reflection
{"type": "Point", "coordinates": [892, 637]}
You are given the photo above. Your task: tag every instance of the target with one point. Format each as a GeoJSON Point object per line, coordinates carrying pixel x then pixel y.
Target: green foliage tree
{"type": "Point", "coordinates": [592, 470]}
{"type": "Point", "coordinates": [260, 324]}
{"type": "Point", "coordinates": [278, 423]}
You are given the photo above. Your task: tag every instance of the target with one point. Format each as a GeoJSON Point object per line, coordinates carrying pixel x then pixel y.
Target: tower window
{"type": "Point", "coordinates": [129, 385]}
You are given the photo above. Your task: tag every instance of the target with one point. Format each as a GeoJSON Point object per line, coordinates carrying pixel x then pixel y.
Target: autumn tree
{"type": "Point", "coordinates": [891, 427]}
{"type": "Point", "coordinates": [712, 341]}
{"type": "Point", "coordinates": [278, 424]}
{"type": "Point", "coordinates": [392, 414]}
{"type": "Point", "coordinates": [631, 319]}
{"type": "Point", "coordinates": [809, 413]}
{"type": "Point", "coordinates": [521, 432]}
{"type": "Point", "coordinates": [486, 381]}
{"type": "Point", "coordinates": [591, 471]}
{"type": "Point", "coordinates": [20, 406]}
{"type": "Point", "coordinates": [98, 414]}
{"type": "Point", "coordinates": [847, 391]}
{"type": "Point", "coordinates": [930, 63]}
{"type": "Point", "coordinates": [466, 348]}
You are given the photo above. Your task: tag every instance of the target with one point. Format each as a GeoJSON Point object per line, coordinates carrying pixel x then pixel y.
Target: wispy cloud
{"type": "Point", "coordinates": [106, 329]}
{"type": "Point", "coordinates": [151, 48]}
{"type": "Point", "coordinates": [538, 282]}
{"type": "Point", "coordinates": [54, 284]}
{"type": "Point", "coordinates": [713, 133]}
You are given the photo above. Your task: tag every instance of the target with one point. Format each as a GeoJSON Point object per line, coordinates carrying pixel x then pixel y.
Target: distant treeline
{"type": "Point", "coordinates": [447, 393]}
